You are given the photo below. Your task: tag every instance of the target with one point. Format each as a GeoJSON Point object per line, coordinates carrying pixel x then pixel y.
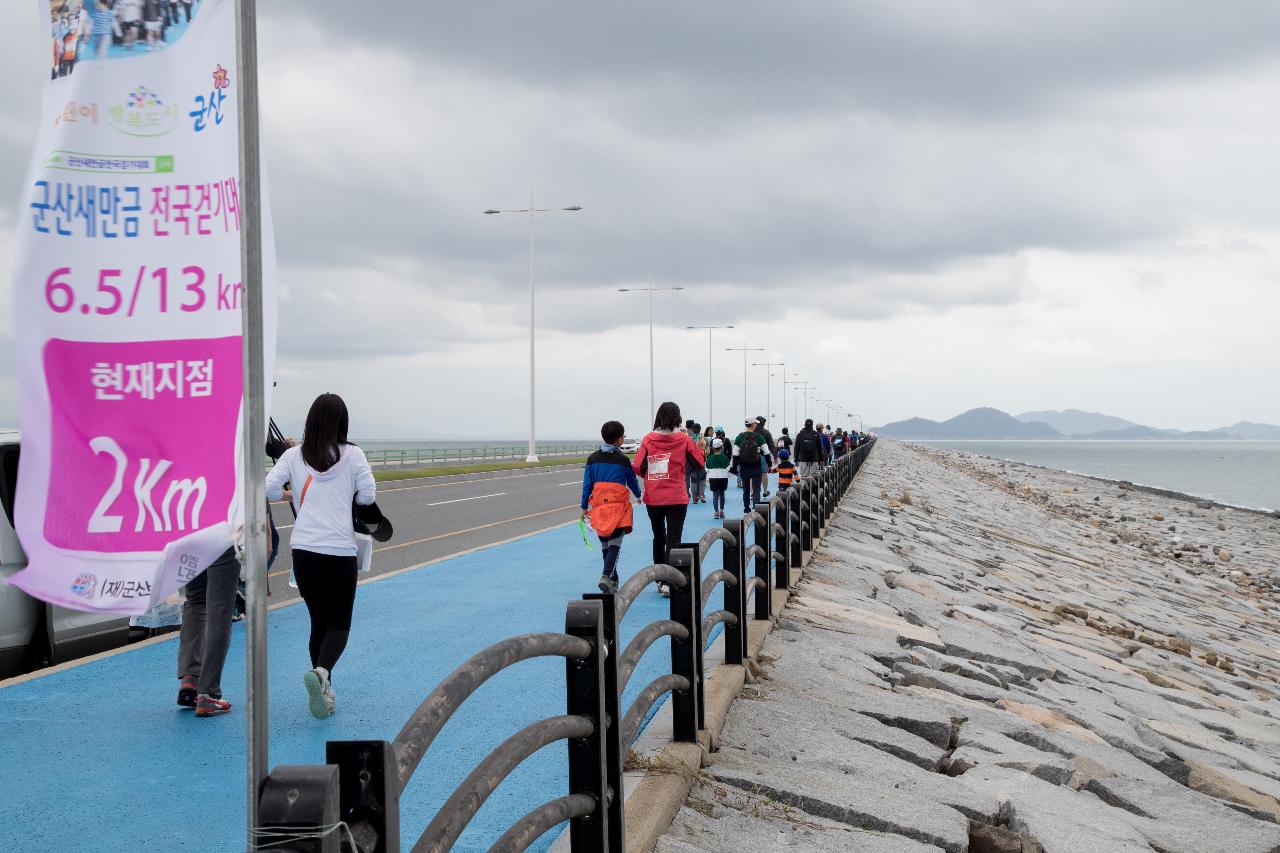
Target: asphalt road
{"type": "Point", "coordinates": [437, 517]}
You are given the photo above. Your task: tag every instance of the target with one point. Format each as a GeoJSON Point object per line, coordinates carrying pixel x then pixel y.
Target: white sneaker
{"type": "Point", "coordinates": [320, 698]}
{"type": "Point", "coordinates": [330, 698]}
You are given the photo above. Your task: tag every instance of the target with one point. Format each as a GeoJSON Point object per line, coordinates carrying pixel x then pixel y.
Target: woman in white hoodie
{"type": "Point", "coordinates": [325, 473]}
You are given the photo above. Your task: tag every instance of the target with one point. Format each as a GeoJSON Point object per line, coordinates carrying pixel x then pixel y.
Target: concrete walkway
{"type": "Point", "coordinates": [98, 757]}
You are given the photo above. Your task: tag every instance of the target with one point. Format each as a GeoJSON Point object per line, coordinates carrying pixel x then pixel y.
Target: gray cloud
{"type": "Point", "coordinates": [849, 164]}
{"type": "Point", "coordinates": [906, 57]}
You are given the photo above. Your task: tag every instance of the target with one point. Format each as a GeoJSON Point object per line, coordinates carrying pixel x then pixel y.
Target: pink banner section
{"type": "Point", "coordinates": [144, 440]}
{"type": "Point", "coordinates": [127, 298]}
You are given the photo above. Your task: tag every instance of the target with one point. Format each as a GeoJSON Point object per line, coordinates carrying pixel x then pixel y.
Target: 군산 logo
{"type": "Point", "coordinates": [84, 585]}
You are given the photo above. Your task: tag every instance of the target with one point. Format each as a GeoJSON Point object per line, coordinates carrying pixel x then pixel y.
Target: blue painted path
{"type": "Point", "coordinates": [99, 757]}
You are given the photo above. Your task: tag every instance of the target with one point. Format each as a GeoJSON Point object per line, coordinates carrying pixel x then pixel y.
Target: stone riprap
{"type": "Point", "coordinates": [988, 656]}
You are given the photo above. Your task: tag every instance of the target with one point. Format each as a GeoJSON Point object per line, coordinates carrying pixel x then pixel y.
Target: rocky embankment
{"type": "Point", "coordinates": [994, 657]}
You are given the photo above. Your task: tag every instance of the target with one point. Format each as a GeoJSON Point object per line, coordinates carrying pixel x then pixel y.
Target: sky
{"type": "Point", "coordinates": [918, 208]}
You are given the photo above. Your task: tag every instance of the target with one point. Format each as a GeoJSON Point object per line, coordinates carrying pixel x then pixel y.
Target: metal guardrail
{"type": "Point", "coordinates": [427, 456]}
{"type": "Point", "coordinates": [361, 782]}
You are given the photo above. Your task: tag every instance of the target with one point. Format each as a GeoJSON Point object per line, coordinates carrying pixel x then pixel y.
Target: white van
{"type": "Point", "coordinates": [34, 634]}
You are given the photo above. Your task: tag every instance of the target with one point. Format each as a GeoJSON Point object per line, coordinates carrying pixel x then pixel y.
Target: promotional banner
{"type": "Point", "coordinates": [127, 299]}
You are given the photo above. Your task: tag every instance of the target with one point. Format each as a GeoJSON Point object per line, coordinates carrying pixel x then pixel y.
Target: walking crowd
{"type": "Point", "coordinates": [88, 29]}
{"type": "Point", "coordinates": [331, 489]}
{"type": "Point", "coordinates": [678, 465]}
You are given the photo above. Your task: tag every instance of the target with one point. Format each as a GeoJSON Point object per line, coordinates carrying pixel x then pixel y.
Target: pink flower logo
{"type": "Point", "coordinates": [220, 79]}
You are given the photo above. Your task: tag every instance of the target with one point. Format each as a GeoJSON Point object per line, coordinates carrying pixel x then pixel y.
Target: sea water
{"type": "Point", "coordinates": [1242, 473]}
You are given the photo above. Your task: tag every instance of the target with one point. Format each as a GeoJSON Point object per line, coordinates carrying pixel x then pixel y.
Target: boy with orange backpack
{"type": "Point", "coordinates": [608, 482]}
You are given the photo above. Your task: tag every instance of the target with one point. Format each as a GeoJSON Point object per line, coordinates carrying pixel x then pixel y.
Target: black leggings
{"type": "Point", "coordinates": [328, 586]}
{"type": "Point", "coordinates": [668, 526]}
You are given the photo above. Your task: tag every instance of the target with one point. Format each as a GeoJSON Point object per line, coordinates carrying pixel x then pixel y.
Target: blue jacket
{"type": "Point", "coordinates": [608, 465]}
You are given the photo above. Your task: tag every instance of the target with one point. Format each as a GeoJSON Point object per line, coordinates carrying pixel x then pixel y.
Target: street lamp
{"type": "Point", "coordinates": [744, 349]}
{"type": "Point", "coordinates": [795, 385]}
{"type": "Point", "coordinates": [824, 400]}
{"type": "Point", "coordinates": [783, 374]}
{"type": "Point", "coordinates": [652, 404]}
{"type": "Point", "coordinates": [710, 384]}
{"type": "Point", "coordinates": [767, 396]}
{"type": "Point", "coordinates": [533, 211]}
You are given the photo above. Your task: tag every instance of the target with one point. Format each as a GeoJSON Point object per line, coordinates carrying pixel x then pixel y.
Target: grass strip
{"type": "Point", "coordinates": [390, 475]}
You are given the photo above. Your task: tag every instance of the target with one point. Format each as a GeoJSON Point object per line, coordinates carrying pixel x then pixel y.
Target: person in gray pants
{"type": "Point", "coordinates": [206, 636]}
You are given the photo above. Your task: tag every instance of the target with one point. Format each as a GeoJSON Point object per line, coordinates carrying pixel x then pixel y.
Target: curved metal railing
{"type": "Point", "coordinates": [532, 826]}
{"type": "Point", "coordinates": [660, 686]}
{"type": "Point", "coordinates": [468, 797]}
{"type": "Point", "coordinates": [373, 773]}
{"type": "Point", "coordinates": [634, 585]}
{"type": "Point", "coordinates": [640, 643]}
{"type": "Point", "coordinates": [711, 537]}
{"type": "Point", "coordinates": [430, 717]}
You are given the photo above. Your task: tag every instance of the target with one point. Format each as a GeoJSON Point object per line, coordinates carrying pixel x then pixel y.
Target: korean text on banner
{"type": "Point", "coordinates": [127, 300]}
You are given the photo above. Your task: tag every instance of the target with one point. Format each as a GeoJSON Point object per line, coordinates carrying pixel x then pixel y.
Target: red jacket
{"type": "Point", "coordinates": [661, 461]}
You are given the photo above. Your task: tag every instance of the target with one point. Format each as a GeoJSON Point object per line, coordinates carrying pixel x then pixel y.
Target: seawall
{"type": "Point", "coordinates": [989, 656]}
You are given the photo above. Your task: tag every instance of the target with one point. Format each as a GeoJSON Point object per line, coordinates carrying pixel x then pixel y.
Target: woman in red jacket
{"type": "Point", "coordinates": [662, 460]}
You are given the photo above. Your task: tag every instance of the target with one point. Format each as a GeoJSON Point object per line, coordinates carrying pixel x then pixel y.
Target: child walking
{"type": "Point", "coordinates": [718, 476]}
{"type": "Point", "coordinates": [787, 473]}
{"type": "Point", "coordinates": [608, 482]}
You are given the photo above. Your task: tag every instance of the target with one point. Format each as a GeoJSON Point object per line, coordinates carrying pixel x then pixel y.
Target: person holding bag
{"type": "Point", "coordinates": [327, 472]}
{"type": "Point", "coordinates": [662, 460]}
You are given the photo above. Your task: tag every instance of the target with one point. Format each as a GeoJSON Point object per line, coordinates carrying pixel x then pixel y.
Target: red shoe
{"type": "Point", "coordinates": [208, 706]}
{"type": "Point", "coordinates": [187, 692]}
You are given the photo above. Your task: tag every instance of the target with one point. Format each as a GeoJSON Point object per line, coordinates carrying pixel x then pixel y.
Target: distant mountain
{"type": "Point", "coordinates": [1135, 432]}
{"type": "Point", "coordinates": [1258, 432]}
{"type": "Point", "coordinates": [1076, 422]}
{"type": "Point", "coordinates": [1139, 433]}
{"type": "Point", "coordinates": [981, 423]}
{"type": "Point", "coordinates": [995, 425]}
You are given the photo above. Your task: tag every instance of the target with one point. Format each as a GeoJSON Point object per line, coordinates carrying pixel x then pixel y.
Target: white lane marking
{"type": "Point", "coordinates": [283, 526]}
{"type": "Point", "coordinates": [550, 470]}
{"type": "Point", "coordinates": [391, 488]}
{"type": "Point", "coordinates": [461, 500]}
{"type": "Point", "coordinates": [574, 483]}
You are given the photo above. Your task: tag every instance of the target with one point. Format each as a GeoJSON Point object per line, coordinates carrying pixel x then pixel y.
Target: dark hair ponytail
{"type": "Point", "coordinates": [325, 432]}
{"type": "Point", "coordinates": [668, 417]}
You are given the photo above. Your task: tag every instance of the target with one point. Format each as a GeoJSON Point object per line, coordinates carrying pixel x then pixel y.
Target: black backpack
{"type": "Point", "coordinates": [749, 453]}
{"type": "Point", "coordinates": [806, 446]}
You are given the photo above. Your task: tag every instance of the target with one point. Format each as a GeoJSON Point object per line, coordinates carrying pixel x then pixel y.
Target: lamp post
{"type": "Point", "coordinates": [744, 349]}
{"type": "Point", "coordinates": [783, 374]}
{"type": "Point", "coordinates": [795, 384]}
{"type": "Point", "coordinates": [257, 758]}
{"type": "Point", "coordinates": [767, 375]}
{"type": "Point", "coordinates": [710, 374]}
{"type": "Point", "coordinates": [650, 289]}
{"type": "Point", "coordinates": [533, 211]}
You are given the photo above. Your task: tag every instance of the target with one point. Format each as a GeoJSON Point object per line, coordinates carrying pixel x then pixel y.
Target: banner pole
{"type": "Point", "coordinates": [255, 429]}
